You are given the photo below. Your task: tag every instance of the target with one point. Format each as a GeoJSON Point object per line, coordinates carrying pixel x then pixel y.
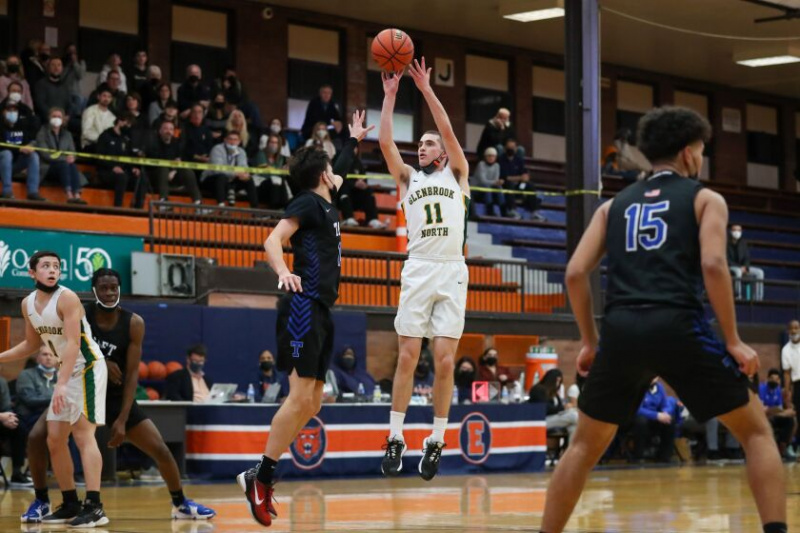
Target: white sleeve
{"type": "Point", "coordinates": [786, 360]}
{"type": "Point", "coordinates": [573, 392]}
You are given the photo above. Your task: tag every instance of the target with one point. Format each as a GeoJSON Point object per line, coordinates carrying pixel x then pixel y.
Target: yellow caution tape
{"type": "Point", "coordinates": [164, 163]}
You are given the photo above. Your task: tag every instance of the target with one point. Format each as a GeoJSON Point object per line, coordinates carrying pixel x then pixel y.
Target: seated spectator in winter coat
{"type": "Point", "coordinates": [489, 369]}
{"type": "Point", "coordinates": [273, 385]}
{"type": "Point", "coordinates": [487, 174]}
{"type": "Point", "coordinates": [15, 72]}
{"type": "Point", "coordinates": [321, 138]}
{"type": "Point", "coordinates": [466, 372]}
{"type": "Point", "coordinates": [18, 126]}
{"type": "Point", "coordinates": [115, 141]}
{"type": "Point", "coordinates": [96, 119]}
{"type": "Point", "coordinates": [166, 147]}
{"type": "Point", "coordinates": [159, 105]}
{"type": "Point", "coordinates": [193, 91]}
{"type": "Point", "coordinates": [273, 189]}
{"type": "Point", "coordinates": [351, 372]}
{"type": "Point", "coordinates": [54, 135]}
{"type": "Point", "coordinates": [739, 263]}
{"type": "Point", "coordinates": [225, 184]}
{"type": "Point", "coordinates": [515, 177]}
{"type": "Point", "coordinates": [322, 108]}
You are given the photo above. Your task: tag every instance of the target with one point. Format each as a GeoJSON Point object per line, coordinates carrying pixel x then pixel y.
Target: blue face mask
{"type": "Point", "coordinates": [12, 116]}
{"type": "Point", "coordinates": [46, 370]}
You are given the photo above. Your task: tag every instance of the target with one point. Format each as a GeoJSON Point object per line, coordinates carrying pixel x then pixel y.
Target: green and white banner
{"type": "Point", "coordinates": [81, 254]}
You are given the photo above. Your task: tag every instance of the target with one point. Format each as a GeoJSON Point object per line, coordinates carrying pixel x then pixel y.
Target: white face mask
{"type": "Point", "coordinates": [736, 235]}
{"type": "Point", "coordinates": [795, 338]}
{"type": "Point", "coordinates": [56, 122]}
{"type": "Point", "coordinates": [322, 133]}
{"type": "Point", "coordinates": [14, 98]}
{"type": "Point", "coordinates": [275, 128]}
{"type": "Point", "coordinates": [231, 147]}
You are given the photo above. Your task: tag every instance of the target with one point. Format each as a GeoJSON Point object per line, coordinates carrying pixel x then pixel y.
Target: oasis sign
{"type": "Point", "coordinates": [81, 254]}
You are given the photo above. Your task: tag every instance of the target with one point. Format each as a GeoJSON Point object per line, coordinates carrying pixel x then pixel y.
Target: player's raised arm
{"type": "Point", "coordinates": [274, 247]}
{"type": "Point", "coordinates": [585, 259]}
{"type": "Point", "coordinates": [28, 346]}
{"type": "Point", "coordinates": [397, 168]}
{"type": "Point", "coordinates": [458, 161]}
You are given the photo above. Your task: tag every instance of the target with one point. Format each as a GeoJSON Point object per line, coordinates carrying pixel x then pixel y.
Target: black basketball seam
{"type": "Point", "coordinates": [391, 54]}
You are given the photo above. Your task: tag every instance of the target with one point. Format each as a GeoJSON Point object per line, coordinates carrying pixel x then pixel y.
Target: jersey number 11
{"type": "Point", "coordinates": [429, 213]}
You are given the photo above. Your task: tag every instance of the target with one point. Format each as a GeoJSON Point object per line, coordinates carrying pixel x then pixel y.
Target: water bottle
{"type": "Point", "coordinates": [504, 395]}
{"type": "Point", "coordinates": [454, 400]}
{"type": "Point", "coordinates": [376, 394]}
{"type": "Point", "coordinates": [517, 392]}
{"type": "Point", "coordinates": [361, 393]}
{"type": "Point", "coordinates": [536, 377]}
{"type": "Point", "coordinates": [251, 394]}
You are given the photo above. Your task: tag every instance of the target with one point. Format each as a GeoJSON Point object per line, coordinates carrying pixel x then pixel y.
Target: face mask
{"type": "Point", "coordinates": [463, 376]}
{"type": "Point", "coordinates": [196, 368]}
{"type": "Point", "coordinates": [44, 288]}
{"type": "Point", "coordinates": [194, 79]}
{"type": "Point", "coordinates": [230, 147]}
{"type": "Point", "coordinates": [45, 369]}
{"type": "Point", "coordinates": [772, 385]}
{"type": "Point", "coordinates": [14, 98]}
{"type": "Point", "coordinates": [271, 150]}
{"type": "Point", "coordinates": [795, 338]}
{"type": "Point", "coordinates": [219, 105]}
{"type": "Point", "coordinates": [275, 129]}
{"type": "Point", "coordinates": [491, 361]}
{"type": "Point", "coordinates": [736, 235]}
{"type": "Point", "coordinates": [266, 366]}
{"type": "Point", "coordinates": [12, 117]}
{"type": "Point", "coordinates": [12, 69]}
{"type": "Point", "coordinates": [322, 133]}
{"type": "Point", "coordinates": [56, 122]}
{"type": "Point", "coordinates": [104, 306]}
{"type": "Point", "coordinates": [433, 165]}
{"type": "Point", "coordinates": [348, 363]}
{"type": "Point", "coordinates": [511, 151]}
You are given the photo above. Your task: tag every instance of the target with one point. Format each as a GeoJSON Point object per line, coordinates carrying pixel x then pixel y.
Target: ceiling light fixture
{"type": "Point", "coordinates": [531, 10]}
{"type": "Point", "coordinates": [781, 55]}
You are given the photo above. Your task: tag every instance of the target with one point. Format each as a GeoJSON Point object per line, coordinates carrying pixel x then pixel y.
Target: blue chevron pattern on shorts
{"type": "Point", "coordinates": [299, 317]}
{"type": "Point", "coordinates": [311, 275]}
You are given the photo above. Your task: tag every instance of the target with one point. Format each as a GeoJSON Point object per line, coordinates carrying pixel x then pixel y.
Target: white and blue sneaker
{"type": "Point", "coordinates": [37, 510]}
{"type": "Point", "coordinates": [190, 510]}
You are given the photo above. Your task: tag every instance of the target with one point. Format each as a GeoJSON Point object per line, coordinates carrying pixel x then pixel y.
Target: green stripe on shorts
{"type": "Point", "coordinates": [89, 394]}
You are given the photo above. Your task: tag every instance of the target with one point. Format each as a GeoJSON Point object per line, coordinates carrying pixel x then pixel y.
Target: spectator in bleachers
{"type": "Point", "coordinates": [14, 97]}
{"type": "Point", "coordinates": [138, 75]}
{"type": "Point", "coordinates": [55, 136]}
{"type": "Point", "coordinates": [197, 137]}
{"type": "Point", "coordinates": [465, 375]}
{"type": "Point", "coordinates": [149, 91]}
{"type": "Point", "coordinates": [322, 140]}
{"type": "Point", "coordinates": [115, 141]}
{"type": "Point", "coordinates": [276, 128]}
{"type": "Point", "coordinates": [423, 375]}
{"type": "Point", "coordinates": [193, 90]}
{"type": "Point", "coordinates": [490, 369]}
{"type": "Point", "coordinates": [113, 64]}
{"type": "Point", "coordinates": [574, 391]}
{"type": "Point", "coordinates": [739, 263]}
{"type": "Point", "coordinates": [190, 384]}
{"type": "Point", "coordinates": [113, 85]}
{"type": "Point", "coordinates": [623, 159]}
{"type": "Point", "coordinates": [74, 71]}
{"type": "Point", "coordinates": [159, 105]}
{"type": "Point", "coordinates": [273, 385]}
{"type": "Point", "coordinates": [52, 90]}
{"type": "Point", "coordinates": [487, 174]}
{"type": "Point", "coordinates": [11, 432]}
{"type": "Point", "coordinates": [166, 147]}
{"type": "Point", "coordinates": [779, 412]}
{"type": "Point", "coordinates": [238, 123]}
{"type": "Point", "coordinates": [515, 177]}
{"type": "Point", "coordinates": [231, 87]}
{"type": "Point", "coordinates": [171, 115]}
{"type": "Point", "coordinates": [35, 63]}
{"type": "Point", "coordinates": [710, 431]}
{"type": "Point", "coordinates": [654, 419]}
{"type": "Point", "coordinates": [546, 391]}
{"type": "Point", "coordinates": [322, 108]}
{"type": "Point", "coordinates": [273, 189]}
{"type": "Point", "coordinates": [18, 126]}
{"type": "Point", "coordinates": [96, 119]}
{"type": "Point", "coordinates": [496, 132]}
{"type": "Point", "coordinates": [225, 184]}
{"type": "Point", "coordinates": [15, 72]}
{"type": "Point", "coordinates": [140, 127]}
{"type": "Point", "coordinates": [357, 195]}
{"type": "Point", "coordinates": [349, 373]}
{"type": "Point", "coordinates": [217, 117]}
{"type": "Point", "coordinates": [35, 388]}
{"type": "Point", "coordinates": [790, 362]}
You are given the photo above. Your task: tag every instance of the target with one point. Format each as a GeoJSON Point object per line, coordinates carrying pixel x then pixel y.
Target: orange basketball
{"type": "Point", "coordinates": [157, 370]}
{"type": "Point", "coordinates": [172, 366]}
{"type": "Point", "coordinates": [392, 50]}
{"type": "Point", "coordinates": [152, 393]}
{"type": "Point", "coordinates": [143, 370]}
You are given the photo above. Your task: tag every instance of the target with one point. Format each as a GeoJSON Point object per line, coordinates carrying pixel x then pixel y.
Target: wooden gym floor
{"type": "Point", "coordinates": [687, 499]}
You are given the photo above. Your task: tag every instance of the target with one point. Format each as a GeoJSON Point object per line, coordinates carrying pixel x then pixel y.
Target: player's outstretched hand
{"type": "Point", "coordinates": [290, 283]}
{"type": "Point", "coordinates": [357, 128]}
{"type": "Point", "coordinates": [746, 357]}
{"type": "Point", "coordinates": [586, 358]}
{"type": "Point", "coordinates": [391, 82]}
{"type": "Point", "coordinates": [420, 74]}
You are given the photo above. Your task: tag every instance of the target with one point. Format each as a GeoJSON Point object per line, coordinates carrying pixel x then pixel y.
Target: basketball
{"type": "Point", "coordinates": [172, 366]}
{"type": "Point", "coordinates": [152, 393]}
{"type": "Point", "coordinates": [392, 49]}
{"type": "Point", "coordinates": [157, 370]}
{"type": "Point", "coordinates": [143, 370]}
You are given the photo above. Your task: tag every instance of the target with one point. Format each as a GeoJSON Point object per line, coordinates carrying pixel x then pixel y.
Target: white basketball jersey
{"type": "Point", "coordinates": [436, 216]}
{"type": "Point", "coordinates": [50, 328]}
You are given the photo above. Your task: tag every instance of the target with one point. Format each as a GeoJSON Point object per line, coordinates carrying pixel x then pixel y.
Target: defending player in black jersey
{"type": "Point", "coordinates": [305, 327]}
{"type": "Point", "coordinates": [119, 334]}
{"type": "Point", "coordinates": [664, 237]}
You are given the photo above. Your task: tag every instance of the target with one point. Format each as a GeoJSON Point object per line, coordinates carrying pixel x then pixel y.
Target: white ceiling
{"type": "Point", "coordinates": [624, 41]}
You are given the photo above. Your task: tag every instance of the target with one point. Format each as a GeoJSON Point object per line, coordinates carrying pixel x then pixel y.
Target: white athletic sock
{"type": "Point", "coordinates": [396, 425]}
{"type": "Point", "coordinates": [439, 426]}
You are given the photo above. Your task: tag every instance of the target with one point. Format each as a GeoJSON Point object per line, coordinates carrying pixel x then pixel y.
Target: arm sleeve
{"type": "Point", "coordinates": [345, 160]}
{"type": "Point", "coordinates": [305, 208]}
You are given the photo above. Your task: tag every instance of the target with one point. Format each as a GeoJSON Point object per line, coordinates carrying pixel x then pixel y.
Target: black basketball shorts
{"type": "Point", "coordinates": [305, 336]}
{"type": "Point", "coordinates": [679, 346]}
{"type": "Point", "coordinates": [113, 407]}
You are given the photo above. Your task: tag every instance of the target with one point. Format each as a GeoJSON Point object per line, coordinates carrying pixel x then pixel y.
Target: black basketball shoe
{"type": "Point", "coordinates": [91, 515]}
{"type": "Point", "coordinates": [64, 513]}
{"type": "Point", "coordinates": [392, 462]}
{"type": "Point", "coordinates": [429, 464]}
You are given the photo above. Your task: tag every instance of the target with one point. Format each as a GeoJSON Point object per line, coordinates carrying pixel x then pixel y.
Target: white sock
{"type": "Point", "coordinates": [396, 425]}
{"type": "Point", "coordinates": [439, 426]}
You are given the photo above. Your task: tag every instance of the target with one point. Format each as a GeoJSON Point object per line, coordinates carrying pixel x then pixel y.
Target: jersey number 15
{"type": "Point", "coordinates": [644, 227]}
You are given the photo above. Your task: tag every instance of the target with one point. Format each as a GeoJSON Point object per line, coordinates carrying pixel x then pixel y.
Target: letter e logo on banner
{"type": "Point", "coordinates": [475, 438]}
